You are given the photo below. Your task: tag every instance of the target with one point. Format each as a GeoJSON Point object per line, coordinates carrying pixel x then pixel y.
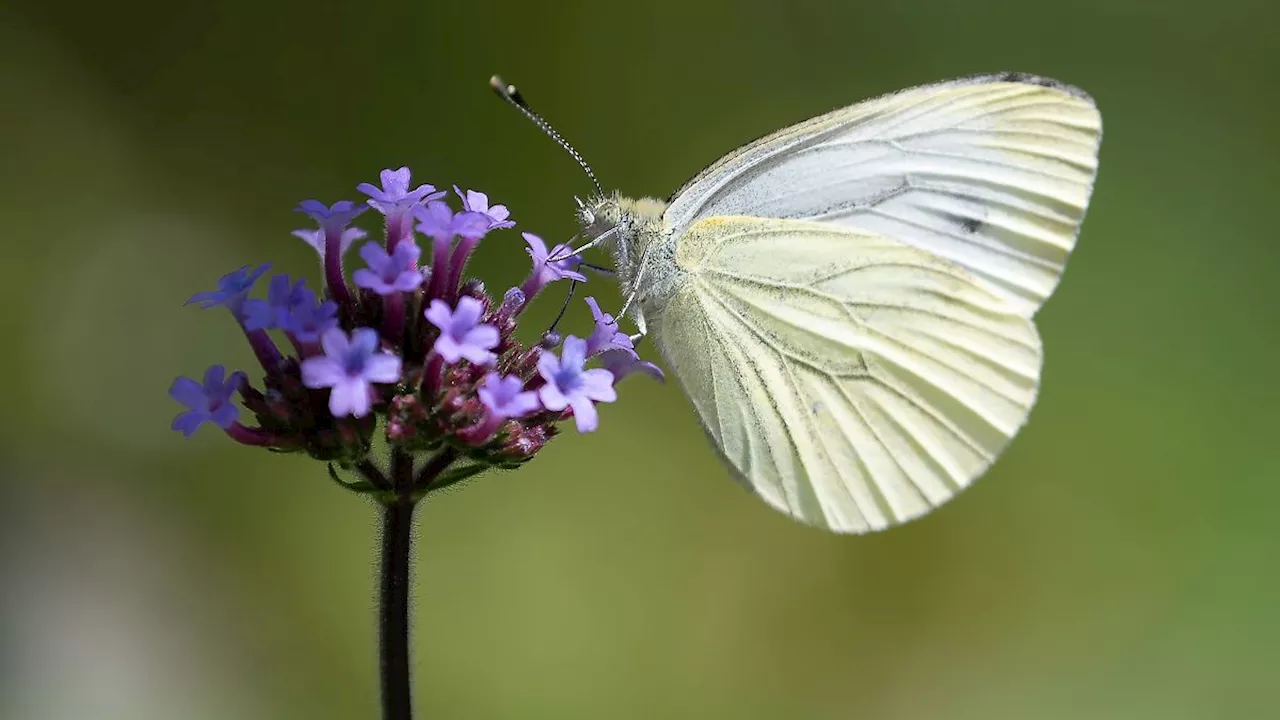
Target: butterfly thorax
{"type": "Point", "coordinates": [637, 234]}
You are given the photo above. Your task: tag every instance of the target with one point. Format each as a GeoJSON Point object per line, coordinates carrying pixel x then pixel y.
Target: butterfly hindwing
{"type": "Point", "coordinates": [853, 381]}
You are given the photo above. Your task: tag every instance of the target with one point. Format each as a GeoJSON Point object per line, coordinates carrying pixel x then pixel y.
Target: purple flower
{"type": "Point", "coordinates": [438, 222]}
{"type": "Point", "coordinates": [471, 225]}
{"type": "Point", "coordinates": [388, 274]}
{"type": "Point", "coordinates": [233, 289]}
{"type": "Point", "coordinates": [621, 363]}
{"type": "Point", "coordinates": [349, 368]}
{"type": "Point", "coordinates": [210, 402]}
{"type": "Point", "coordinates": [307, 320]}
{"type": "Point", "coordinates": [606, 335]}
{"type": "Point", "coordinates": [331, 219]}
{"type": "Point", "coordinates": [478, 202]}
{"type": "Point", "coordinates": [395, 196]}
{"type": "Point", "coordinates": [546, 272]}
{"type": "Point", "coordinates": [274, 311]}
{"type": "Point", "coordinates": [315, 238]}
{"type": "Point", "coordinates": [435, 220]}
{"type": "Point", "coordinates": [333, 223]}
{"type": "Point", "coordinates": [506, 397]}
{"type": "Point", "coordinates": [461, 333]}
{"type": "Point", "coordinates": [569, 385]}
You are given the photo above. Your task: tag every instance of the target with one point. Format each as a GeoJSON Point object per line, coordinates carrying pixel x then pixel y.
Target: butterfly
{"type": "Point", "coordinates": [848, 302]}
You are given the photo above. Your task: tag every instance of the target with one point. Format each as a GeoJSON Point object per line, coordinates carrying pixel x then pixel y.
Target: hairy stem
{"type": "Point", "coordinates": [394, 576]}
{"type": "Point", "coordinates": [393, 590]}
{"type": "Point", "coordinates": [393, 609]}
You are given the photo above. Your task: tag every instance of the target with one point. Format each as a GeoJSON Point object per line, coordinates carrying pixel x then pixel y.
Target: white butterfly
{"type": "Point", "coordinates": [848, 301]}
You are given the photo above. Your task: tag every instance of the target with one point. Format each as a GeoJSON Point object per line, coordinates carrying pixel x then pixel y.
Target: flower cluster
{"type": "Point", "coordinates": [419, 348]}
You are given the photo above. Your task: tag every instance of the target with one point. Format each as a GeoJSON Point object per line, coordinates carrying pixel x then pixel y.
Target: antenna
{"type": "Point", "coordinates": [512, 96]}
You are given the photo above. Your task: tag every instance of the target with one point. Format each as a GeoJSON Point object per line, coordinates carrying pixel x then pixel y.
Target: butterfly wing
{"type": "Point", "coordinates": [855, 384]}
{"type": "Point", "coordinates": [993, 173]}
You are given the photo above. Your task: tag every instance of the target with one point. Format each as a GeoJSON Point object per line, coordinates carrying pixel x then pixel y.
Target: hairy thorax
{"type": "Point", "coordinates": [642, 244]}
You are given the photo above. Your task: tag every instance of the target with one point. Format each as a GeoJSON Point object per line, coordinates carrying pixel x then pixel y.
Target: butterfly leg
{"type": "Point", "coordinates": [641, 329]}
{"type": "Point", "coordinates": [573, 285]}
{"type": "Point", "coordinates": [631, 298]}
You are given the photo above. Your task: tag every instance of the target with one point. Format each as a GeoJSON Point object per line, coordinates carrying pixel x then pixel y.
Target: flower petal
{"type": "Point", "coordinates": [548, 366]}
{"type": "Point", "coordinates": [439, 314]}
{"type": "Point", "coordinates": [468, 311]}
{"type": "Point", "coordinates": [314, 238]}
{"type": "Point", "coordinates": [368, 279]}
{"type": "Point", "coordinates": [189, 393]}
{"type": "Point", "coordinates": [551, 397]}
{"type": "Point", "coordinates": [585, 416]}
{"type": "Point", "coordinates": [213, 379]}
{"type": "Point", "coordinates": [476, 355]}
{"type": "Point", "coordinates": [537, 249]}
{"type": "Point", "coordinates": [321, 372]}
{"type": "Point", "coordinates": [574, 354]}
{"type": "Point", "coordinates": [349, 397]}
{"type": "Point", "coordinates": [597, 384]}
{"type": "Point", "coordinates": [226, 414]}
{"type": "Point", "coordinates": [364, 341]}
{"type": "Point", "coordinates": [188, 422]}
{"type": "Point", "coordinates": [382, 368]}
{"type": "Point", "coordinates": [375, 257]}
{"type": "Point", "coordinates": [448, 348]}
{"type": "Point", "coordinates": [482, 336]}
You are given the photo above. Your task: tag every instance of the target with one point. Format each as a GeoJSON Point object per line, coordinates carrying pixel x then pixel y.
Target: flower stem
{"type": "Point", "coordinates": [457, 264]}
{"type": "Point", "coordinates": [439, 268]}
{"type": "Point", "coordinates": [393, 608]}
{"type": "Point", "coordinates": [393, 318]}
{"type": "Point", "coordinates": [333, 276]}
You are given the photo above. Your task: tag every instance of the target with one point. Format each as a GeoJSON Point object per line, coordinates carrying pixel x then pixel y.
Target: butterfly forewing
{"type": "Point", "coordinates": [850, 379]}
{"type": "Point", "coordinates": [992, 173]}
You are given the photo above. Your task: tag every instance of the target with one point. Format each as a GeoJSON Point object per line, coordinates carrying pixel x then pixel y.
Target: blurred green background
{"type": "Point", "coordinates": [1119, 561]}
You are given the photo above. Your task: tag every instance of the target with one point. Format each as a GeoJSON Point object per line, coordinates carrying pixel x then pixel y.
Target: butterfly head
{"type": "Point", "coordinates": [599, 215]}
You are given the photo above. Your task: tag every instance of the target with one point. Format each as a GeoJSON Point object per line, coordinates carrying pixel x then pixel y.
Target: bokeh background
{"type": "Point", "coordinates": [1119, 561]}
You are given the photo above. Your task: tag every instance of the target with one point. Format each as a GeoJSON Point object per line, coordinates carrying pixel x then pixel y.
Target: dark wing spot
{"type": "Point", "coordinates": [1029, 79]}
{"type": "Point", "coordinates": [970, 225]}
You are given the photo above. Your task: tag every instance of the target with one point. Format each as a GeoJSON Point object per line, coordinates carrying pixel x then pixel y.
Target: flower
{"type": "Point", "coordinates": [472, 225]}
{"type": "Point", "coordinates": [435, 220]}
{"type": "Point", "coordinates": [505, 396]}
{"type": "Point", "coordinates": [315, 238]}
{"type": "Point", "coordinates": [273, 312]}
{"type": "Point", "coordinates": [210, 402]}
{"type": "Point", "coordinates": [569, 385]}
{"type": "Point", "coordinates": [233, 289]}
{"type": "Point", "coordinates": [435, 364]}
{"type": "Point", "coordinates": [546, 272]}
{"type": "Point", "coordinates": [331, 219]}
{"type": "Point", "coordinates": [333, 224]}
{"type": "Point", "coordinates": [478, 202]}
{"type": "Point", "coordinates": [621, 363]}
{"type": "Point", "coordinates": [461, 333]}
{"type": "Point", "coordinates": [606, 335]}
{"type": "Point", "coordinates": [349, 367]}
{"type": "Point", "coordinates": [307, 320]}
{"type": "Point", "coordinates": [389, 273]}
{"type": "Point", "coordinates": [395, 196]}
